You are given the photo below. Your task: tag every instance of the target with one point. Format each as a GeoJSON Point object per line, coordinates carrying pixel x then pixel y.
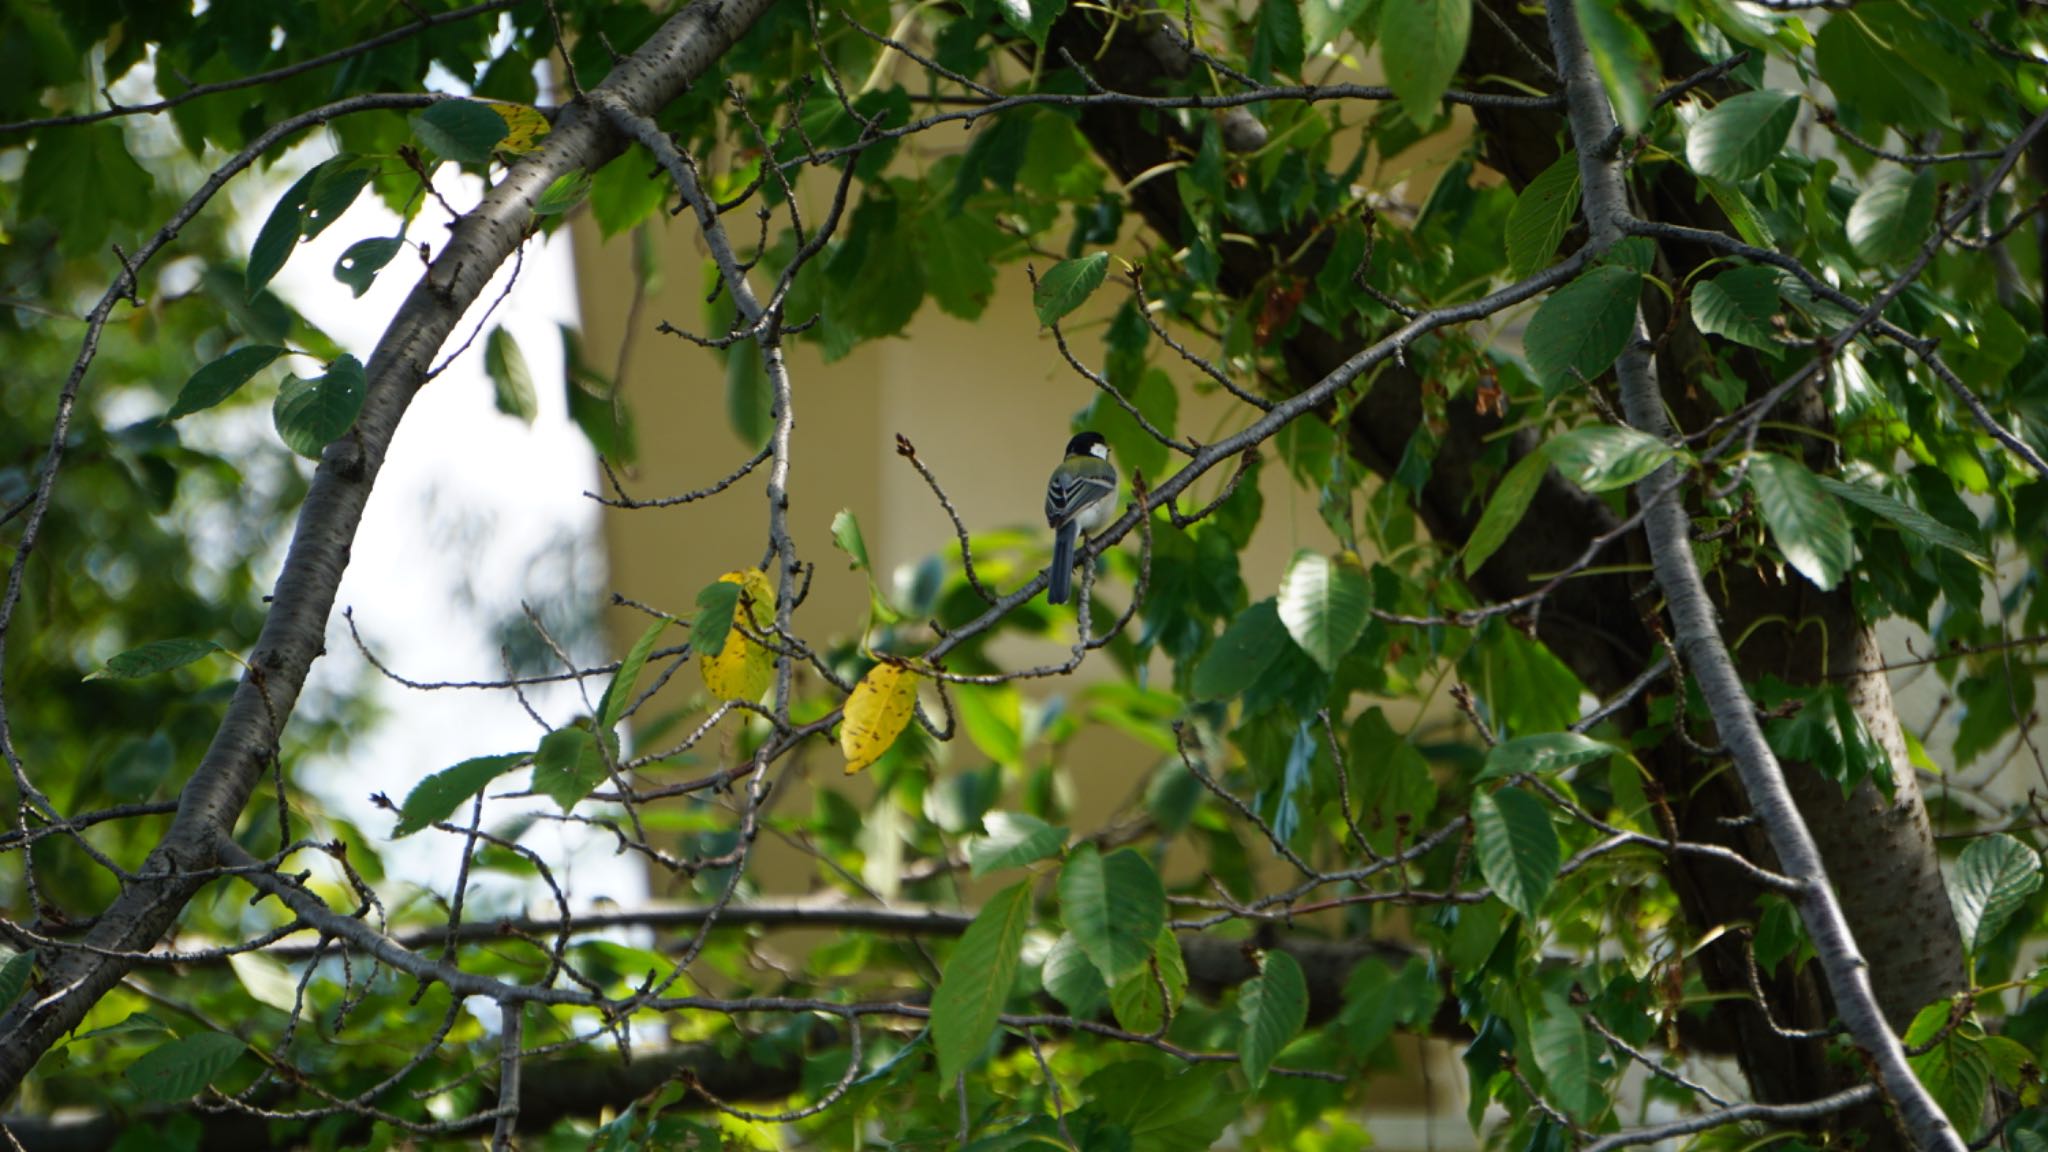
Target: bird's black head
{"type": "Point", "coordinates": [1089, 444]}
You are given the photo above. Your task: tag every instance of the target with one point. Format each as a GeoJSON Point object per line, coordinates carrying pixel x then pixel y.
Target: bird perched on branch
{"type": "Point", "coordinates": [1080, 498]}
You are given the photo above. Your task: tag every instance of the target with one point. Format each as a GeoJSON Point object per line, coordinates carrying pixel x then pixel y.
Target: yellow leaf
{"type": "Point", "coordinates": [754, 588]}
{"type": "Point", "coordinates": [526, 126]}
{"type": "Point", "coordinates": [743, 670]}
{"type": "Point", "coordinates": [876, 713]}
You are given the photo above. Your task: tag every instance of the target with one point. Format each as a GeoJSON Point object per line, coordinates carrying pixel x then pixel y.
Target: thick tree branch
{"type": "Point", "coordinates": [295, 629]}
{"type": "Point", "coordinates": [1698, 633]}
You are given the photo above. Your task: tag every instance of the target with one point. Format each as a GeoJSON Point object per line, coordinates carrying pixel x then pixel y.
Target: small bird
{"type": "Point", "coordinates": [1080, 497]}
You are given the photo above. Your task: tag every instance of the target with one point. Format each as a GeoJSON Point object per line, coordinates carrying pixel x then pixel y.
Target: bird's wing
{"type": "Point", "coordinates": [1068, 494]}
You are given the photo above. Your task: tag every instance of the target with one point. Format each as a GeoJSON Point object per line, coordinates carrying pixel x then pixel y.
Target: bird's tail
{"type": "Point", "coordinates": [1061, 577]}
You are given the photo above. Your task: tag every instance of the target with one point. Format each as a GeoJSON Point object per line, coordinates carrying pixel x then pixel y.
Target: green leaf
{"type": "Point", "coordinates": [1891, 218]}
{"type": "Point", "coordinates": [438, 796]}
{"type": "Point", "coordinates": [1136, 1003]}
{"type": "Point", "coordinates": [846, 535]}
{"type": "Point", "coordinates": [1602, 457]}
{"type": "Point", "coordinates": [1072, 979]}
{"type": "Point", "coordinates": [1273, 1007]}
{"type": "Point", "coordinates": [339, 180]}
{"type": "Point", "coordinates": [1324, 603]}
{"type": "Point", "coordinates": [280, 234]}
{"type": "Point", "coordinates": [1542, 214]}
{"type": "Point", "coordinates": [1956, 1070]}
{"type": "Point", "coordinates": [568, 190]}
{"type": "Point", "coordinates": [1067, 285]}
{"type": "Point", "coordinates": [1247, 647]}
{"type": "Point", "coordinates": [1114, 906]}
{"type": "Point", "coordinates": [511, 379]}
{"type": "Point", "coordinates": [1624, 58]}
{"type": "Point", "coordinates": [1989, 884]}
{"type": "Point", "coordinates": [311, 414]}
{"type": "Point", "coordinates": [1518, 849]}
{"type": "Point", "coordinates": [568, 765]}
{"type": "Point", "coordinates": [154, 657]}
{"type": "Point", "coordinates": [1564, 1053]}
{"type": "Point", "coordinates": [464, 131]}
{"type": "Point", "coordinates": [222, 378]}
{"type": "Point", "coordinates": [1739, 304]}
{"type": "Point", "coordinates": [1908, 518]}
{"type": "Point", "coordinates": [359, 265]}
{"type": "Point", "coordinates": [14, 976]}
{"type": "Point", "coordinates": [619, 692]}
{"type": "Point", "coordinates": [1160, 1111]}
{"type": "Point", "coordinates": [1807, 524]}
{"type": "Point", "coordinates": [83, 180]}
{"type": "Point", "coordinates": [1431, 36]}
{"type": "Point", "coordinates": [1741, 135]}
{"type": "Point", "coordinates": [1579, 329]}
{"type": "Point", "coordinates": [1278, 41]}
{"type": "Point", "coordinates": [1504, 511]}
{"type": "Point", "coordinates": [1546, 752]}
{"type": "Point", "coordinates": [716, 604]}
{"type": "Point", "coordinates": [1872, 79]}
{"type": "Point", "coordinates": [1032, 17]}
{"type": "Point", "coordinates": [184, 1067]}
{"type": "Point", "coordinates": [1013, 838]}
{"type": "Point", "coordinates": [977, 979]}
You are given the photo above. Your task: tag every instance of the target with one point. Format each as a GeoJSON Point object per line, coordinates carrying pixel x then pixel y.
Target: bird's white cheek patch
{"type": "Point", "coordinates": [1099, 451]}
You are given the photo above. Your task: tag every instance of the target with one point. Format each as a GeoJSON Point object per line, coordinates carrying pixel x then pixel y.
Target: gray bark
{"type": "Point", "coordinates": [294, 632]}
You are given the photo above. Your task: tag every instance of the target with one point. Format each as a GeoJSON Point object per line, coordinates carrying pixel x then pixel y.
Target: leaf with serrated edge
{"type": "Point", "coordinates": [1601, 457]}
{"type": "Point", "coordinates": [1013, 838]}
{"type": "Point", "coordinates": [222, 378]}
{"type": "Point", "coordinates": [1324, 603]}
{"type": "Point", "coordinates": [1431, 35]}
{"type": "Point", "coordinates": [1564, 1052]}
{"type": "Point", "coordinates": [1517, 848]}
{"type": "Point", "coordinates": [182, 1068]}
{"type": "Point", "coordinates": [1505, 510]}
{"type": "Point", "coordinates": [1546, 752]}
{"type": "Point", "coordinates": [1542, 214]}
{"type": "Point", "coordinates": [1273, 1007]}
{"type": "Point", "coordinates": [154, 657]}
{"type": "Point", "coordinates": [619, 692]}
{"type": "Point", "coordinates": [977, 979]}
{"type": "Point", "coordinates": [1908, 518]}
{"type": "Point", "coordinates": [438, 796]}
{"type": "Point", "coordinates": [1739, 305]}
{"type": "Point", "coordinates": [1740, 136]}
{"type": "Point", "coordinates": [1805, 522]}
{"type": "Point", "coordinates": [1582, 327]}
{"type": "Point", "coordinates": [312, 413]}
{"type": "Point", "coordinates": [1989, 883]}
{"type": "Point", "coordinates": [1136, 1004]}
{"type": "Point", "coordinates": [1067, 285]}
{"type": "Point", "coordinates": [1114, 906]}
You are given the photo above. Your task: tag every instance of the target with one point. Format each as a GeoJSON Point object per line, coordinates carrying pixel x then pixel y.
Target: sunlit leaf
{"type": "Point", "coordinates": [1805, 522]}
{"type": "Point", "coordinates": [436, 798]}
{"type": "Point", "coordinates": [511, 379]}
{"type": "Point", "coordinates": [1324, 603]}
{"type": "Point", "coordinates": [1741, 135]}
{"type": "Point", "coordinates": [1431, 36]}
{"type": "Point", "coordinates": [977, 979]}
{"type": "Point", "coordinates": [1115, 906]}
{"type": "Point", "coordinates": [1517, 848]}
{"type": "Point", "coordinates": [1067, 285]}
